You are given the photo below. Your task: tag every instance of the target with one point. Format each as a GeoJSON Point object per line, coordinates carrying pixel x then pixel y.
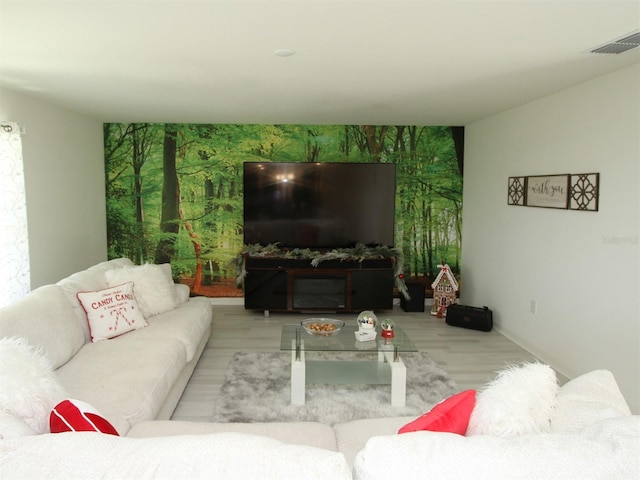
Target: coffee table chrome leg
{"type": "Point", "coordinates": [298, 375]}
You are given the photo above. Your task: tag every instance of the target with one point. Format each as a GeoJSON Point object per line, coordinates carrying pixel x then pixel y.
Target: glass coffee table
{"type": "Point", "coordinates": [387, 368]}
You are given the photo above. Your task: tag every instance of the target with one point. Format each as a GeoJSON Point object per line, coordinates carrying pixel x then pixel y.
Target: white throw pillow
{"type": "Point", "coordinates": [112, 311]}
{"type": "Point", "coordinates": [13, 427]}
{"type": "Point", "coordinates": [29, 388]}
{"type": "Point", "coordinates": [40, 318]}
{"type": "Point", "coordinates": [519, 401]}
{"type": "Point", "coordinates": [588, 399]}
{"type": "Point", "coordinates": [152, 285]}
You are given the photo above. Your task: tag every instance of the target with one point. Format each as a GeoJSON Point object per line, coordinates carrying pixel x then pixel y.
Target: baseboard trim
{"type": "Point", "coordinates": [563, 377]}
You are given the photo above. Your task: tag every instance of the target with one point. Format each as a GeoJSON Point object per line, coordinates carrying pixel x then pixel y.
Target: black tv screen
{"type": "Point", "coordinates": [319, 205]}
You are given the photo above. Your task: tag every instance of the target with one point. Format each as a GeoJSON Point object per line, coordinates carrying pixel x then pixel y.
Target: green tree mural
{"type": "Point", "coordinates": [174, 191]}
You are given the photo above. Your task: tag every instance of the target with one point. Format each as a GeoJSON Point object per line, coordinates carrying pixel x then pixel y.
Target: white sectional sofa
{"type": "Point", "coordinates": [523, 424]}
{"type": "Point", "coordinates": [135, 377]}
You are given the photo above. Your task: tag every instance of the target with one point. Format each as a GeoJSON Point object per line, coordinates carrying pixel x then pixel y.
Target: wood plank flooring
{"type": "Point", "coordinates": [470, 357]}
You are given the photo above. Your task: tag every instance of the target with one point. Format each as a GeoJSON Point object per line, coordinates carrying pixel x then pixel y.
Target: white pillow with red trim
{"type": "Point", "coordinates": [77, 416]}
{"type": "Point", "coordinates": [112, 311]}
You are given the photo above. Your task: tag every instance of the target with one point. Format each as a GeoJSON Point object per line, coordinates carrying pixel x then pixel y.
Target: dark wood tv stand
{"type": "Point", "coordinates": [294, 285]}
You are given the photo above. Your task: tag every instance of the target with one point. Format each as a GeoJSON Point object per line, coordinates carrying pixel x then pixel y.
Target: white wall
{"type": "Point", "coordinates": [64, 178]}
{"type": "Point", "coordinates": [581, 268]}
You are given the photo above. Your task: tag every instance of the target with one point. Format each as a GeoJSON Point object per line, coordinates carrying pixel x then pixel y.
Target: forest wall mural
{"type": "Point", "coordinates": [174, 191]}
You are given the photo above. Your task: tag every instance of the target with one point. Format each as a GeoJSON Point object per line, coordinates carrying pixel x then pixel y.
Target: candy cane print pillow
{"type": "Point", "coordinates": [112, 311]}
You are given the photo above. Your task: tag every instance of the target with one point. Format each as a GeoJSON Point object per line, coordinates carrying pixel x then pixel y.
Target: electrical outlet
{"type": "Point", "coordinates": [533, 307]}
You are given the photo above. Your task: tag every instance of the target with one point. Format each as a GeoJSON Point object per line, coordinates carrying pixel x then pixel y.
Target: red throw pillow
{"type": "Point", "coordinates": [77, 416]}
{"type": "Point", "coordinates": [451, 415]}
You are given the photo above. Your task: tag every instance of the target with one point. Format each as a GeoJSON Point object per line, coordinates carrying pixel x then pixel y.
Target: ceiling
{"type": "Point", "coordinates": [423, 62]}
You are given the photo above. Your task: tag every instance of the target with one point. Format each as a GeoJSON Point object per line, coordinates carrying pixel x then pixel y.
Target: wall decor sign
{"type": "Point", "coordinates": [548, 191]}
{"type": "Point", "coordinates": [579, 191]}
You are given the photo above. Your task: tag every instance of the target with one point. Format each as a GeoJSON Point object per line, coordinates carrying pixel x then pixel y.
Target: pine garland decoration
{"type": "Point", "coordinates": [358, 253]}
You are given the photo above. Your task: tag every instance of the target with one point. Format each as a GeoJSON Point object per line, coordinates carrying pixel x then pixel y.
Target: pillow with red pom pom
{"type": "Point", "coordinates": [451, 415]}
{"type": "Point", "coordinates": [77, 416]}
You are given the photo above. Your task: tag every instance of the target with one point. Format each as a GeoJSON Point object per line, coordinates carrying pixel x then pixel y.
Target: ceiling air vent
{"type": "Point", "coordinates": [619, 46]}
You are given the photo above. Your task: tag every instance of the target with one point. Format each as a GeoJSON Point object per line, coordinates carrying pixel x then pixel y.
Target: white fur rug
{"type": "Point", "coordinates": [257, 388]}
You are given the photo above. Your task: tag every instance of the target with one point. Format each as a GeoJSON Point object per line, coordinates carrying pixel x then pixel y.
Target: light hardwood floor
{"type": "Point", "coordinates": [470, 357]}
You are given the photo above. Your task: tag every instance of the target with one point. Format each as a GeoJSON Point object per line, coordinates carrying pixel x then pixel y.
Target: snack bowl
{"type": "Point", "coordinates": [322, 327]}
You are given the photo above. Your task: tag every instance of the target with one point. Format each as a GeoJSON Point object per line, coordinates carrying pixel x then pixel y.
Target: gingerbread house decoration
{"type": "Point", "coordinates": [445, 288]}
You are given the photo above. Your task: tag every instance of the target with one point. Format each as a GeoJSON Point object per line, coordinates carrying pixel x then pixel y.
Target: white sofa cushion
{"type": "Point", "coordinates": [587, 399]}
{"type": "Point", "coordinates": [28, 386]}
{"type": "Point", "coordinates": [127, 378]}
{"type": "Point", "coordinates": [187, 323]}
{"type": "Point", "coordinates": [519, 401]}
{"type": "Point", "coordinates": [608, 449]}
{"type": "Point", "coordinates": [182, 293]}
{"type": "Point", "coordinates": [46, 320]}
{"type": "Point", "coordinates": [152, 285]}
{"type": "Point", "coordinates": [351, 437]}
{"type": "Point", "coordinates": [194, 457]}
{"type": "Point", "coordinates": [312, 434]}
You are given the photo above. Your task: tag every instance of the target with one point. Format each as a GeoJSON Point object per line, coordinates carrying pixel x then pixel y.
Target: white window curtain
{"type": "Point", "coordinates": [14, 240]}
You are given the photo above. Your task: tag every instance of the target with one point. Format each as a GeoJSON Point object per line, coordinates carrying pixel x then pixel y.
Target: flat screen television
{"type": "Point", "coordinates": [319, 205]}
